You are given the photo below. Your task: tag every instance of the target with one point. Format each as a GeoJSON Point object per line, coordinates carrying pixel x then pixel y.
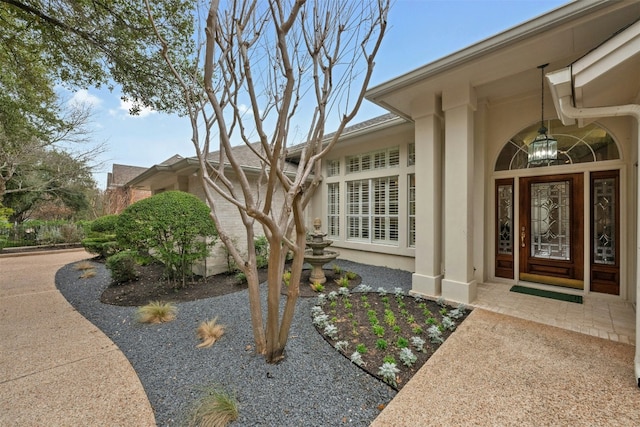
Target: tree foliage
{"type": "Point", "coordinates": [77, 44]}
{"type": "Point", "coordinates": [55, 175]}
{"type": "Point", "coordinates": [174, 227]}
{"type": "Point", "coordinates": [282, 59]}
{"type": "Point", "coordinates": [35, 125]}
{"type": "Point", "coordinates": [85, 43]}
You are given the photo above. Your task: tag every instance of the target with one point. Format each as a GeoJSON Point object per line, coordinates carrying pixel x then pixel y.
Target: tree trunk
{"type": "Point", "coordinates": [253, 282]}
{"type": "Point", "coordinates": [275, 347]}
{"type": "Point", "coordinates": [294, 285]}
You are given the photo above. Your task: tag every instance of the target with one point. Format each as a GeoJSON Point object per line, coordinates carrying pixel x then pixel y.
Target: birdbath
{"type": "Point", "coordinates": [317, 256]}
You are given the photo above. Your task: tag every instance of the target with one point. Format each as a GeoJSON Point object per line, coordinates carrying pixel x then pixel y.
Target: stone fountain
{"type": "Point", "coordinates": [317, 256]}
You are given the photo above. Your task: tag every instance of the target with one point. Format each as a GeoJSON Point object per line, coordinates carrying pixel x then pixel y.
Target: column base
{"type": "Point", "coordinates": [426, 285]}
{"type": "Point", "coordinates": [459, 291]}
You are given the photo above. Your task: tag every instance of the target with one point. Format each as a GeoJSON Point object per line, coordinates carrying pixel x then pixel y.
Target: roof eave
{"type": "Point", "coordinates": [502, 40]}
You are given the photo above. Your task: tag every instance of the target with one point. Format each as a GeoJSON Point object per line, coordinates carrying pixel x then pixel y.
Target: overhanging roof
{"type": "Point", "coordinates": [165, 174]}
{"type": "Point", "coordinates": [506, 64]}
{"type": "Point", "coordinates": [598, 75]}
{"type": "Point", "coordinates": [607, 76]}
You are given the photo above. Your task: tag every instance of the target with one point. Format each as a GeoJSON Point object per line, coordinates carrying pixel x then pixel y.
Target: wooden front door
{"type": "Point", "coordinates": [550, 234]}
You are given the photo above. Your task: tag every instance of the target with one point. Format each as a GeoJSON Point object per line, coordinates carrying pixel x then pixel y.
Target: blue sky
{"type": "Point", "coordinates": [420, 31]}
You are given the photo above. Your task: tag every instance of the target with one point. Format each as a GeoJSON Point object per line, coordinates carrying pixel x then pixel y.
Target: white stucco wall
{"type": "Point", "coordinates": [233, 226]}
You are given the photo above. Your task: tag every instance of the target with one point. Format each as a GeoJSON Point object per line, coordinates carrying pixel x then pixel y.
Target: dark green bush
{"type": "Point", "coordinates": [101, 239]}
{"type": "Point", "coordinates": [174, 227]}
{"type": "Point", "coordinates": [101, 236]}
{"type": "Point", "coordinates": [104, 225]}
{"type": "Point", "coordinates": [122, 266]}
{"type": "Point", "coordinates": [104, 246]}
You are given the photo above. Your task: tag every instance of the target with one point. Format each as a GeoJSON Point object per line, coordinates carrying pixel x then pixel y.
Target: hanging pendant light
{"type": "Point", "coordinates": [543, 150]}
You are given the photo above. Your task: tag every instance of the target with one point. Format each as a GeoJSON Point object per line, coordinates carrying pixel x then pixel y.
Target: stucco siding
{"type": "Point", "coordinates": [229, 217]}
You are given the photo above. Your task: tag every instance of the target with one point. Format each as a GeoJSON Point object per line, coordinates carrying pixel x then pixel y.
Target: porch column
{"type": "Point", "coordinates": [636, 361]}
{"type": "Point", "coordinates": [459, 104]}
{"type": "Point", "coordinates": [427, 116]}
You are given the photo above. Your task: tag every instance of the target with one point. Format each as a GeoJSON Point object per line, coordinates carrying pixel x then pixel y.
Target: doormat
{"type": "Point", "coordinates": [547, 294]}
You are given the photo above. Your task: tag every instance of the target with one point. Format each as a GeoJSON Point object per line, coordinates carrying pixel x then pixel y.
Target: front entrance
{"type": "Point", "coordinates": [554, 230]}
{"type": "Point", "coordinates": [551, 230]}
{"type": "Point", "coordinates": [561, 229]}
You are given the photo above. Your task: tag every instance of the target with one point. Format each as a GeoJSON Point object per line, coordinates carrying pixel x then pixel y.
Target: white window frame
{"type": "Point", "coordinates": [333, 209]}
{"type": "Point", "coordinates": [373, 210]}
{"type": "Point", "coordinates": [373, 160]}
{"type": "Point", "coordinates": [333, 167]}
{"type": "Point", "coordinates": [411, 210]}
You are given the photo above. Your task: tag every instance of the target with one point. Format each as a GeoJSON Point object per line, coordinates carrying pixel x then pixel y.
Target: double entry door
{"type": "Point", "coordinates": [551, 232]}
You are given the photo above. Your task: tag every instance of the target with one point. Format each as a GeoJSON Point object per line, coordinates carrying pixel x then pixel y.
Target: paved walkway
{"type": "Point", "coordinates": [499, 370]}
{"type": "Point", "coordinates": [56, 368]}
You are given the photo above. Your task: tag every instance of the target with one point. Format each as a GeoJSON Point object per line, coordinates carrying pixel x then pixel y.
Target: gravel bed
{"type": "Point", "coordinates": [313, 386]}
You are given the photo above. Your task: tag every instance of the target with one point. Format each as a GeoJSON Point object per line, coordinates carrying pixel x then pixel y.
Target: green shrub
{"type": "Point", "coordinates": [381, 344]}
{"type": "Point", "coordinates": [104, 246]}
{"type": "Point", "coordinates": [402, 342]}
{"type": "Point", "coordinates": [101, 236]}
{"type": "Point", "coordinates": [174, 227]}
{"type": "Point", "coordinates": [104, 225]}
{"type": "Point", "coordinates": [343, 282]}
{"type": "Point", "coordinates": [48, 234]}
{"type": "Point", "coordinates": [261, 244]}
{"type": "Point", "coordinates": [71, 233]}
{"type": "Point", "coordinates": [5, 225]}
{"type": "Point", "coordinates": [122, 266]}
{"type": "Point", "coordinates": [241, 277]}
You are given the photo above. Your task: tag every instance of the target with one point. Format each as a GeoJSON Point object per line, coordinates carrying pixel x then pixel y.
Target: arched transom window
{"type": "Point", "coordinates": [590, 143]}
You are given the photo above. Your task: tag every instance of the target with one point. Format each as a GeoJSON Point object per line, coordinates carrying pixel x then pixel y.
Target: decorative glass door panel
{"type": "Point", "coordinates": [551, 229]}
{"type": "Point", "coordinates": [605, 232]}
{"type": "Point", "coordinates": [550, 220]}
{"type": "Point", "coordinates": [504, 228]}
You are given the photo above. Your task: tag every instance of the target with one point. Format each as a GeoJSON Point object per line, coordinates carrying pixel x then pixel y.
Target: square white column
{"type": "Point", "coordinates": [428, 173]}
{"type": "Point", "coordinates": [458, 283]}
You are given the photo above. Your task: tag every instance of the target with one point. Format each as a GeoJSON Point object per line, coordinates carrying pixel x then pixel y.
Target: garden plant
{"type": "Point", "coordinates": [388, 335]}
{"type": "Point", "coordinates": [177, 231]}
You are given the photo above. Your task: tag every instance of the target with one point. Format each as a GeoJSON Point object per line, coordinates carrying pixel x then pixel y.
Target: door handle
{"type": "Point", "coordinates": [523, 234]}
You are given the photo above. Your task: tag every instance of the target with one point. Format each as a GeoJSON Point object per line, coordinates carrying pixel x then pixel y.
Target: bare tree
{"type": "Point", "coordinates": [293, 63]}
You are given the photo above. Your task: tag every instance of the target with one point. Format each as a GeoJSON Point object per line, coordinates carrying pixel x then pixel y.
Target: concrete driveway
{"type": "Point", "coordinates": [56, 368]}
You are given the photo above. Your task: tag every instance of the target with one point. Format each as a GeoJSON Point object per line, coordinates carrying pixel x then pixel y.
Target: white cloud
{"type": "Point", "coordinates": [247, 110]}
{"type": "Point", "coordinates": [244, 109]}
{"type": "Point", "coordinates": [128, 105]}
{"type": "Point", "coordinates": [83, 97]}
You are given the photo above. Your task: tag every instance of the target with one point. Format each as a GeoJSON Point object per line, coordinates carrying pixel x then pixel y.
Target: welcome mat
{"type": "Point", "coordinates": [547, 294]}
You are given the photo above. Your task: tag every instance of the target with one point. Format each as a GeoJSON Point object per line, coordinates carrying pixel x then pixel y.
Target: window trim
{"type": "Point", "coordinates": [367, 216]}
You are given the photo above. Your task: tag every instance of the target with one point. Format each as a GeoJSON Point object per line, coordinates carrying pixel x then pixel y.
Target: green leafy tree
{"type": "Point", "coordinates": [33, 120]}
{"type": "Point", "coordinates": [84, 43]}
{"type": "Point", "coordinates": [77, 44]}
{"type": "Point", "coordinates": [55, 176]}
{"type": "Point", "coordinates": [174, 227]}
